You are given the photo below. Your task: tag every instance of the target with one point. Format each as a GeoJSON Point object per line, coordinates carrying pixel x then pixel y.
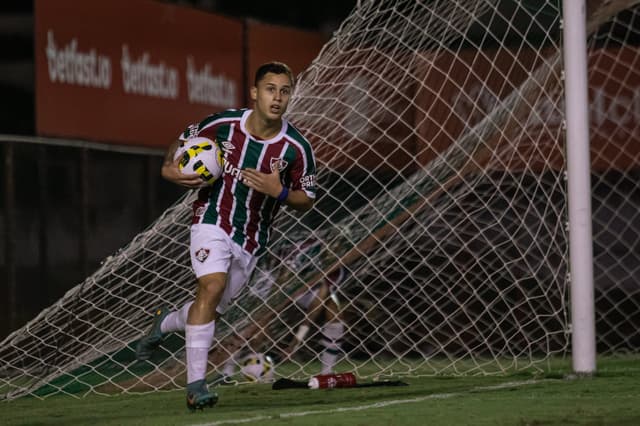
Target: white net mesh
{"type": "Point", "coordinates": [438, 128]}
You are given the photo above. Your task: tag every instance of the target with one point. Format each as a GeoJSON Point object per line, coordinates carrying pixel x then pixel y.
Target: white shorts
{"type": "Point", "coordinates": [212, 250]}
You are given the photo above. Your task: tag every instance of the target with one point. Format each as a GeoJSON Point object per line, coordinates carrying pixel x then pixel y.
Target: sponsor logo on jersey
{"type": "Point", "coordinates": [202, 254]}
{"type": "Point", "coordinates": [230, 169]}
{"type": "Point", "coordinates": [278, 163]}
{"type": "Point", "coordinates": [308, 182]}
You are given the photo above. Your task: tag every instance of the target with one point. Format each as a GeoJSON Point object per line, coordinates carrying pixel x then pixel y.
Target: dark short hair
{"type": "Point", "coordinates": [275, 68]}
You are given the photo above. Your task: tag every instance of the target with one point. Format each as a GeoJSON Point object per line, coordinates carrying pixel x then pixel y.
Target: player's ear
{"type": "Point", "coordinates": [254, 93]}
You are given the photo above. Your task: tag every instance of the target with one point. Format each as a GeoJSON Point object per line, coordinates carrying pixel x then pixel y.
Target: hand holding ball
{"type": "Point", "coordinates": [201, 156]}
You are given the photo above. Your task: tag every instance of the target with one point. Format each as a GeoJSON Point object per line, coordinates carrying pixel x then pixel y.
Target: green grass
{"type": "Point", "coordinates": [612, 397]}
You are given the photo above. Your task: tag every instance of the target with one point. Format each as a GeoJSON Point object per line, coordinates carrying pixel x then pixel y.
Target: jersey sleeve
{"type": "Point", "coordinates": [303, 172]}
{"type": "Point", "coordinates": [190, 132]}
{"type": "Point", "coordinates": [194, 129]}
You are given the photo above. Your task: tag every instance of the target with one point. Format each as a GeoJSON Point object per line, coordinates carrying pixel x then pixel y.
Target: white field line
{"type": "Point", "coordinates": [380, 404]}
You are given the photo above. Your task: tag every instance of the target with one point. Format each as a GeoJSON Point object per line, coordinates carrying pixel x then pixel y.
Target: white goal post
{"type": "Point", "coordinates": [579, 187]}
{"type": "Point", "coordinates": [440, 132]}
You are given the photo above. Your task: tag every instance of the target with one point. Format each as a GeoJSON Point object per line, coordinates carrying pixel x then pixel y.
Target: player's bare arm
{"type": "Point", "coordinates": [172, 173]}
{"type": "Point", "coordinates": [269, 184]}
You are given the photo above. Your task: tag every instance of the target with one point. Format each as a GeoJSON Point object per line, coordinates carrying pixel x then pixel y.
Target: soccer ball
{"type": "Point", "coordinates": [257, 367]}
{"type": "Point", "coordinates": [202, 156]}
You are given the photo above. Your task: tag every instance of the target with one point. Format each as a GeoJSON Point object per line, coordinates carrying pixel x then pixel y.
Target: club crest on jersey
{"type": "Point", "coordinates": [202, 254]}
{"type": "Point", "coordinates": [278, 163]}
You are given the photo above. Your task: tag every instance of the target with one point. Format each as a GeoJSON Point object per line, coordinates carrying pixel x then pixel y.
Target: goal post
{"type": "Point", "coordinates": [439, 131]}
{"type": "Point", "coordinates": [579, 188]}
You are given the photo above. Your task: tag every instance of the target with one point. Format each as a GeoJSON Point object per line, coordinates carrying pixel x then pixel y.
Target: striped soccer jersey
{"type": "Point", "coordinates": [244, 214]}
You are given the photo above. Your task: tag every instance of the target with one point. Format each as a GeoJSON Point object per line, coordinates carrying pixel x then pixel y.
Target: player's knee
{"type": "Point", "coordinates": [211, 288]}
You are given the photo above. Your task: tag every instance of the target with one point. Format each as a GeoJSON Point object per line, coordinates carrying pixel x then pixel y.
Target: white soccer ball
{"type": "Point", "coordinates": [257, 367]}
{"type": "Point", "coordinates": [201, 156]}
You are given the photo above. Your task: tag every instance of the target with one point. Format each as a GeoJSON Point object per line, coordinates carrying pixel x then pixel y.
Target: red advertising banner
{"type": "Point", "coordinates": [614, 97]}
{"type": "Point", "coordinates": [132, 72]}
{"type": "Point", "coordinates": [502, 115]}
{"type": "Point", "coordinates": [460, 90]}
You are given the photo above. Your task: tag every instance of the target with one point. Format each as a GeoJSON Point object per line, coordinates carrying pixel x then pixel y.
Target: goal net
{"type": "Point", "coordinates": [438, 128]}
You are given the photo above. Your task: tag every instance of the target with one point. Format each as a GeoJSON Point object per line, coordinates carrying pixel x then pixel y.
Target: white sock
{"type": "Point", "coordinates": [176, 320]}
{"type": "Point", "coordinates": [299, 337]}
{"type": "Point", "coordinates": [198, 342]}
{"type": "Point", "coordinates": [328, 360]}
{"type": "Point", "coordinates": [331, 339]}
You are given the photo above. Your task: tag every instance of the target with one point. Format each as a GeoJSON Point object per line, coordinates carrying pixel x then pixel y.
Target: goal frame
{"type": "Point", "coordinates": [579, 188]}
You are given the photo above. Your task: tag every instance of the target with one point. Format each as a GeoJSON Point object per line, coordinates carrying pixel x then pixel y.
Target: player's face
{"type": "Point", "coordinates": [272, 95]}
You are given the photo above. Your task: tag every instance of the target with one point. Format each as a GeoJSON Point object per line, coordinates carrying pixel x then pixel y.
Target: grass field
{"type": "Point", "coordinates": [612, 397]}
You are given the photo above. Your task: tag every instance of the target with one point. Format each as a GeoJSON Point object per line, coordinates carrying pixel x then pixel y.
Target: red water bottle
{"type": "Point", "coordinates": [327, 381]}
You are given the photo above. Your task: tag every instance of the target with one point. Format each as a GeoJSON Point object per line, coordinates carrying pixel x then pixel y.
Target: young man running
{"type": "Point", "coordinates": [267, 163]}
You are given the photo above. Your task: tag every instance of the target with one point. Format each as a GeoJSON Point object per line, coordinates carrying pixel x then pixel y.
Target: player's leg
{"type": "Point", "coordinates": [311, 303]}
{"type": "Point", "coordinates": [150, 342]}
{"type": "Point", "coordinates": [164, 322]}
{"type": "Point", "coordinates": [216, 291]}
{"type": "Point", "coordinates": [210, 260]}
{"type": "Point", "coordinates": [199, 332]}
{"type": "Point", "coordinates": [176, 320]}
{"type": "Point", "coordinates": [332, 333]}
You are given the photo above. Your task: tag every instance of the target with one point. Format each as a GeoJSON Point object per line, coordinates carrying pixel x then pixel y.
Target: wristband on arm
{"type": "Point", "coordinates": [284, 194]}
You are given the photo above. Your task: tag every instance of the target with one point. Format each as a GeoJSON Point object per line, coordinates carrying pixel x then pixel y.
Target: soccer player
{"type": "Point", "coordinates": [267, 163]}
{"type": "Point", "coordinates": [320, 303]}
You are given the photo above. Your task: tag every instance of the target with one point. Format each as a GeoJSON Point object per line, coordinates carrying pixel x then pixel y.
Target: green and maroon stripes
{"type": "Point", "coordinates": [246, 215]}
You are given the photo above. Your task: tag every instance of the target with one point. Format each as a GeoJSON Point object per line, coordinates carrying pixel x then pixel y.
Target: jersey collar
{"type": "Point", "coordinates": [276, 138]}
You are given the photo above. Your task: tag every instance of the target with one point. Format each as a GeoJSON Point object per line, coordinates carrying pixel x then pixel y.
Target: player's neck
{"type": "Point", "coordinates": [261, 127]}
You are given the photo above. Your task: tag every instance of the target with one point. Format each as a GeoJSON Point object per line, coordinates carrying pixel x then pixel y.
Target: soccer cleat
{"type": "Point", "coordinates": [149, 343]}
{"type": "Point", "coordinates": [198, 396]}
